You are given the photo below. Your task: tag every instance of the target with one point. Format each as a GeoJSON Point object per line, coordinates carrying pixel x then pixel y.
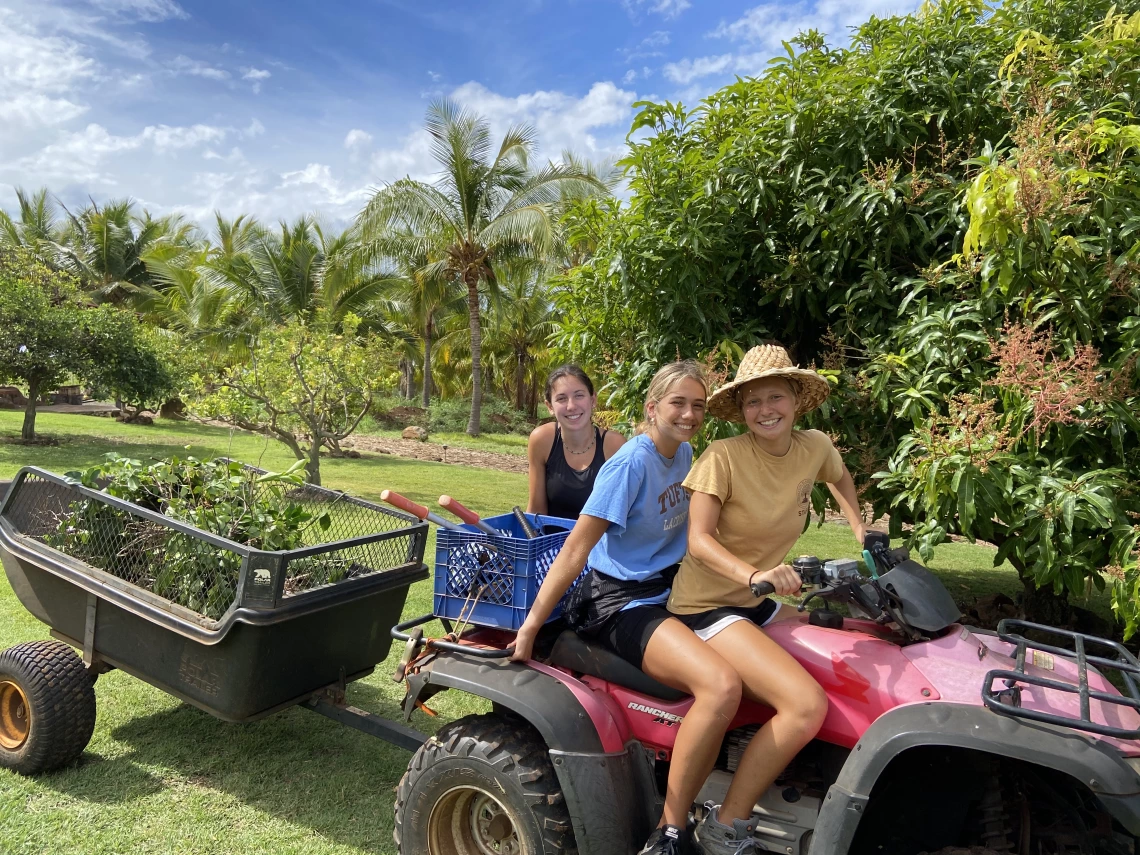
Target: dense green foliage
{"type": "Point", "coordinates": [50, 332]}
{"type": "Point", "coordinates": [944, 216]}
{"type": "Point", "coordinates": [217, 496]}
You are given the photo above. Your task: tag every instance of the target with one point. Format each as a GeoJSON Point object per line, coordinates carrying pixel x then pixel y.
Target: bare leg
{"type": "Point", "coordinates": [677, 658]}
{"type": "Point", "coordinates": [771, 677]}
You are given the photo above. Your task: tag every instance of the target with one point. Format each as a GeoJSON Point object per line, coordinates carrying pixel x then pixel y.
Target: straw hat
{"type": "Point", "coordinates": [768, 360]}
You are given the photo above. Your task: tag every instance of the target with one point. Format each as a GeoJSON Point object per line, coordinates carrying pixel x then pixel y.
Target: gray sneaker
{"type": "Point", "coordinates": [712, 837]}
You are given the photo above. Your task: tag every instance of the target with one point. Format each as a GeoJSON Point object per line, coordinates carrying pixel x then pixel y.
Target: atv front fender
{"type": "Point", "coordinates": [1097, 766]}
{"type": "Point", "coordinates": [608, 786]}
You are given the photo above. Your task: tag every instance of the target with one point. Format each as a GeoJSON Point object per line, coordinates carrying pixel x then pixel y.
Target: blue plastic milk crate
{"type": "Point", "coordinates": [492, 580]}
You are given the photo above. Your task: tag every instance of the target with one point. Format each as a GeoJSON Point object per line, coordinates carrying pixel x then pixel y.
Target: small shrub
{"type": "Point", "coordinates": [451, 415]}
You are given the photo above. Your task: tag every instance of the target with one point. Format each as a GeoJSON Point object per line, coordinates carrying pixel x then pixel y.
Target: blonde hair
{"type": "Point", "coordinates": [665, 379]}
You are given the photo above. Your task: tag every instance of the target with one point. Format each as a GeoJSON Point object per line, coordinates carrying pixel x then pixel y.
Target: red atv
{"type": "Point", "coordinates": [939, 737]}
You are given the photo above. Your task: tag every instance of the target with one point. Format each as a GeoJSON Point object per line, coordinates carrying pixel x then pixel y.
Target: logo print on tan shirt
{"type": "Point", "coordinates": [803, 495]}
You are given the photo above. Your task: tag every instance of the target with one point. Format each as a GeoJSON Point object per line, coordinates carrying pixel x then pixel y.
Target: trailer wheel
{"type": "Point", "coordinates": [483, 785]}
{"type": "Point", "coordinates": [47, 706]}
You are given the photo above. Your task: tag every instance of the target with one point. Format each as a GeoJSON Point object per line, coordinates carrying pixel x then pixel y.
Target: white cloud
{"type": "Point", "coordinates": [687, 70]}
{"type": "Point", "coordinates": [771, 23]}
{"type": "Point", "coordinates": [256, 75]}
{"type": "Point", "coordinates": [81, 156]}
{"type": "Point", "coordinates": [39, 76]}
{"type": "Point", "coordinates": [357, 138]}
{"type": "Point", "coordinates": [650, 46]}
{"type": "Point", "coordinates": [665, 8]}
{"type": "Point", "coordinates": [184, 65]}
{"type": "Point", "coordinates": [630, 76]}
{"type": "Point", "coordinates": [151, 11]}
{"type": "Point", "coordinates": [562, 121]}
{"type": "Point", "coordinates": [435, 76]}
{"type": "Point", "coordinates": [255, 129]}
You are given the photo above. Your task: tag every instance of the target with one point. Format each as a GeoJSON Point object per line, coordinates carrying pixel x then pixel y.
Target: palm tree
{"type": "Point", "coordinates": [292, 273]}
{"type": "Point", "coordinates": [105, 247]}
{"type": "Point", "coordinates": [37, 229]}
{"type": "Point", "coordinates": [487, 207]}
{"type": "Point", "coordinates": [523, 323]}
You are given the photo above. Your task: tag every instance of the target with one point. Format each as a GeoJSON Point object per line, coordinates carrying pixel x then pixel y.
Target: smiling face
{"type": "Point", "coordinates": [769, 409]}
{"type": "Point", "coordinates": [571, 403]}
{"type": "Point", "coordinates": [680, 412]}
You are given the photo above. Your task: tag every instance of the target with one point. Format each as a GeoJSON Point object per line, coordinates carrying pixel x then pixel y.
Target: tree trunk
{"type": "Point", "coordinates": [313, 465]}
{"type": "Point", "coordinates": [473, 424]}
{"type": "Point", "coordinates": [520, 380]}
{"type": "Point", "coordinates": [427, 365]}
{"type": "Point", "coordinates": [28, 432]}
{"type": "Point", "coordinates": [532, 397]}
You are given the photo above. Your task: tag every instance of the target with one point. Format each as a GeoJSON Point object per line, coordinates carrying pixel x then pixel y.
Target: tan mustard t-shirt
{"type": "Point", "coordinates": [765, 501]}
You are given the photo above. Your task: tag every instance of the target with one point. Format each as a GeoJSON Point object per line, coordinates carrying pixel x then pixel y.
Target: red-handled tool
{"type": "Point", "coordinates": [405, 504]}
{"type": "Point", "coordinates": [465, 514]}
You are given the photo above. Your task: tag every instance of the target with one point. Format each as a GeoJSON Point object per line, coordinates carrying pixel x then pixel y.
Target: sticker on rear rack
{"type": "Point", "coordinates": [1043, 660]}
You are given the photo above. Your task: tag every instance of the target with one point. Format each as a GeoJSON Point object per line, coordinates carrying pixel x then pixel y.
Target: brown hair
{"type": "Point", "coordinates": [666, 378]}
{"type": "Point", "coordinates": [568, 370]}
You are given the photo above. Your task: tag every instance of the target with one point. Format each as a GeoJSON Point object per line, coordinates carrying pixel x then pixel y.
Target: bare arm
{"type": "Point", "coordinates": [704, 514]}
{"type": "Point", "coordinates": [844, 492]}
{"type": "Point", "coordinates": [565, 569]}
{"type": "Point", "coordinates": [537, 451]}
{"type": "Point", "coordinates": [611, 443]}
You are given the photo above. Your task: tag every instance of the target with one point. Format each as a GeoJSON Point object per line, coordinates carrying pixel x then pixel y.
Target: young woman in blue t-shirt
{"type": "Point", "coordinates": [632, 534]}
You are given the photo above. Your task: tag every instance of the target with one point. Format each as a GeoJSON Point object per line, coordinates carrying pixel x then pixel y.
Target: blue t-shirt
{"type": "Point", "coordinates": [639, 492]}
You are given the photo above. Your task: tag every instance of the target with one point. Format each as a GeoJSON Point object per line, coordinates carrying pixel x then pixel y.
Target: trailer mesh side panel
{"type": "Point", "coordinates": [182, 564]}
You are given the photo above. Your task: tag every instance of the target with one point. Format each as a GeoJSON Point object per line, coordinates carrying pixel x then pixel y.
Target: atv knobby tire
{"type": "Point", "coordinates": [47, 706]}
{"type": "Point", "coordinates": [483, 784]}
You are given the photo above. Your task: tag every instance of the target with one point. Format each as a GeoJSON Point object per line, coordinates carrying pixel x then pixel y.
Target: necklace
{"type": "Point", "coordinates": [593, 440]}
{"type": "Point", "coordinates": [589, 447]}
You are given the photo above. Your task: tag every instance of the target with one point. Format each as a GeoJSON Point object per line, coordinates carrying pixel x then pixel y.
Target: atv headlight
{"type": "Point", "coordinates": [1134, 762]}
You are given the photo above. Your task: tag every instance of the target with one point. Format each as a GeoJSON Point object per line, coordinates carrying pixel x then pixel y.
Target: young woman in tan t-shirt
{"type": "Point", "coordinates": [749, 499]}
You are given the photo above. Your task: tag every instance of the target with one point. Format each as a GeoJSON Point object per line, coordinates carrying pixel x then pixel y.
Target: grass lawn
{"type": "Point", "coordinates": [162, 777]}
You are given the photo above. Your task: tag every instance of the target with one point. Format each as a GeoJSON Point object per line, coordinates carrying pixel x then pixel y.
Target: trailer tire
{"type": "Point", "coordinates": [47, 706]}
{"type": "Point", "coordinates": [483, 784]}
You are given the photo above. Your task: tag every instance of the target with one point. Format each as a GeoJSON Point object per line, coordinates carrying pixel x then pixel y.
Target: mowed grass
{"type": "Point", "coordinates": [160, 776]}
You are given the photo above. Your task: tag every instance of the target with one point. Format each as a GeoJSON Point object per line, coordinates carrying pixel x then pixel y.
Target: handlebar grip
{"type": "Point", "coordinates": [762, 589]}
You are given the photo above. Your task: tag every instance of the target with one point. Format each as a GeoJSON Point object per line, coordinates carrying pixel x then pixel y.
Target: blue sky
{"type": "Point", "coordinates": [279, 108]}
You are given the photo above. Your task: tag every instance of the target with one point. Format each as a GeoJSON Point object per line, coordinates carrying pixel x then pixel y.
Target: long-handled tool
{"type": "Point", "coordinates": [465, 514]}
{"type": "Point", "coordinates": [405, 504]}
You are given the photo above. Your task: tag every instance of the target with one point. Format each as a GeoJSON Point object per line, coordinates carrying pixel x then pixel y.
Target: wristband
{"type": "Point", "coordinates": [753, 576]}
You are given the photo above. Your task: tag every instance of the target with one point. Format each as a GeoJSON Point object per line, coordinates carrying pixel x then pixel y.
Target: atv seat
{"type": "Point", "coordinates": [589, 657]}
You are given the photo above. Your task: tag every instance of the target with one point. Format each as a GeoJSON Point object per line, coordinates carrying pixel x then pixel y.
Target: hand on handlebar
{"type": "Point", "coordinates": [782, 580]}
{"type": "Point", "coordinates": [524, 643]}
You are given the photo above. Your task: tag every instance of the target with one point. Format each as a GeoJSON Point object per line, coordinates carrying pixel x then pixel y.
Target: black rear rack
{"type": "Point", "coordinates": [1007, 700]}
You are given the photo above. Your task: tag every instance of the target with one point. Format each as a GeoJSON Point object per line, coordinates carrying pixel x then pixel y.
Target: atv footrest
{"type": "Point", "coordinates": [1006, 699]}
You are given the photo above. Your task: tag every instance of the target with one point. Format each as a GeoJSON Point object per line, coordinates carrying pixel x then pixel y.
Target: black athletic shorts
{"type": "Point", "coordinates": [708, 624]}
{"type": "Point", "coordinates": [627, 633]}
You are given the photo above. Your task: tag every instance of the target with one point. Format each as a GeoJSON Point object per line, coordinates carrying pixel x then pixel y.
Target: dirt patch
{"type": "Point", "coordinates": [50, 441]}
{"type": "Point", "coordinates": [439, 453]}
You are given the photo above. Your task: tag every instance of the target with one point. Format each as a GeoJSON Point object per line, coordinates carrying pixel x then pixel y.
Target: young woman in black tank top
{"type": "Point", "coordinates": [565, 455]}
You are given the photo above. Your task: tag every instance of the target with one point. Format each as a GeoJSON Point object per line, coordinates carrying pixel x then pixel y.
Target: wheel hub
{"type": "Point", "coordinates": [471, 821]}
{"type": "Point", "coordinates": [15, 716]}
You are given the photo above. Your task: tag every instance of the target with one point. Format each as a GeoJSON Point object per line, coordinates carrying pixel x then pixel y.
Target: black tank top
{"type": "Point", "coordinates": [567, 489]}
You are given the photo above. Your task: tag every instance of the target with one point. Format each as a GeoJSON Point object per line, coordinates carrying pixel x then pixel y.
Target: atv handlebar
{"type": "Point", "coordinates": [762, 589]}
{"type": "Point", "coordinates": [400, 633]}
